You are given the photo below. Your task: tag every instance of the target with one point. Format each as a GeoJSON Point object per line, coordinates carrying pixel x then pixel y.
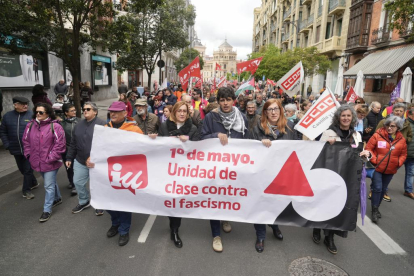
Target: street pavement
{"type": "Point", "coordinates": [76, 244]}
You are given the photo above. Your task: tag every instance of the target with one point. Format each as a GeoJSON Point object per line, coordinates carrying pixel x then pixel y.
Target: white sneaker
{"type": "Point", "coordinates": [217, 245]}
{"type": "Point", "coordinates": [226, 227]}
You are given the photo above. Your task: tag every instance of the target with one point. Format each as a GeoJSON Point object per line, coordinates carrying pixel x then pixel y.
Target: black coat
{"type": "Point", "coordinates": [259, 134]}
{"type": "Point", "coordinates": [371, 120]}
{"type": "Point", "coordinates": [169, 128]}
{"type": "Point", "coordinates": [212, 126]}
{"type": "Point", "coordinates": [81, 143]}
{"type": "Point", "coordinates": [12, 129]}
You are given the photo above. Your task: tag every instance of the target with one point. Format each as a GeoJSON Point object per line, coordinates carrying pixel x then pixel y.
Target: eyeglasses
{"type": "Point", "coordinates": [74, 110]}
{"type": "Point", "coordinates": [271, 110]}
{"type": "Point", "coordinates": [87, 109]}
{"type": "Point", "coordinates": [40, 112]}
{"type": "Point", "coordinates": [24, 103]}
{"type": "Point", "coordinates": [357, 102]}
{"type": "Point", "coordinates": [391, 126]}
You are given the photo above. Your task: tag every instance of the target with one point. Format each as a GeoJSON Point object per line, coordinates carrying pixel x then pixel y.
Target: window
{"type": "Point", "coordinates": [339, 24]}
{"type": "Point", "coordinates": [328, 30]}
{"type": "Point", "coordinates": [318, 34]}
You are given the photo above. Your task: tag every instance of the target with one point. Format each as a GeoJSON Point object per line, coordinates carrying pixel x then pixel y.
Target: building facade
{"type": "Point", "coordinates": [225, 56]}
{"type": "Point", "coordinates": [382, 54]}
{"type": "Point", "coordinates": [305, 23]}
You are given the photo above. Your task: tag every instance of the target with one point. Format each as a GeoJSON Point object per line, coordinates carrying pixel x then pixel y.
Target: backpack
{"type": "Point", "coordinates": [51, 126]}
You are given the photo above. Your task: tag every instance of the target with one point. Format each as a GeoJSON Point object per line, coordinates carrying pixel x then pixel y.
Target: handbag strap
{"type": "Point", "coordinates": [392, 147]}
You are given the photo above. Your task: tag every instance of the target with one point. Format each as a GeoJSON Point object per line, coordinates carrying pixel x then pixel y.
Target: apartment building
{"type": "Point", "coordinates": [381, 53]}
{"type": "Point", "coordinates": [305, 23]}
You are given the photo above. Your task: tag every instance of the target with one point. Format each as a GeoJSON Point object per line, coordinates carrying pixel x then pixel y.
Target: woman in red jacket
{"type": "Point", "coordinates": [387, 149]}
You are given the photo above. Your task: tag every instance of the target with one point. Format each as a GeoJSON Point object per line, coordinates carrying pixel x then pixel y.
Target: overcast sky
{"type": "Point", "coordinates": [217, 19]}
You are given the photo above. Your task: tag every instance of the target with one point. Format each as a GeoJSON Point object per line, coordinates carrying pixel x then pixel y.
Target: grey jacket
{"type": "Point", "coordinates": [61, 88]}
{"type": "Point", "coordinates": [81, 143]}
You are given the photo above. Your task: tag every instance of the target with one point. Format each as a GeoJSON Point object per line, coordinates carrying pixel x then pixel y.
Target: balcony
{"type": "Point", "coordinates": [309, 21]}
{"type": "Point", "coordinates": [306, 2]}
{"type": "Point", "coordinates": [273, 28]}
{"type": "Point", "coordinates": [380, 35]}
{"type": "Point", "coordinates": [332, 44]}
{"type": "Point", "coordinates": [320, 9]}
{"type": "Point", "coordinates": [336, 7]}
{"type": "Point", "coordinates": [303, 26]}
{"type": "Point", "coordinates": [357, 43]}
{"type": "Point", "coordinates": [286, 15]}
{"type": "Point", "coordinates": [285, 39]}
{"type": "Point", "coordinates": [407, 32]}
{"type": "Point", "coordinates": [355, 2]}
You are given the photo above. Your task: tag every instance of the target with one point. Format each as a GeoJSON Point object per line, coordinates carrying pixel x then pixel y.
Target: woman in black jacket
{"type": "Point", "coordinates": [272, 126]}
{"type": "Point", "coordinates": [179, 125]}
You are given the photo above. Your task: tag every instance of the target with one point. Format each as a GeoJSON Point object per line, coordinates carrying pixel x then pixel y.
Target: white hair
{"type": "Point", "coordinates": [291, 107]}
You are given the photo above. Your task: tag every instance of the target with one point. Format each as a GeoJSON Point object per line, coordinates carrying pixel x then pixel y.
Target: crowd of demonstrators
{"type": "Point", "coordinates": [264, 115]}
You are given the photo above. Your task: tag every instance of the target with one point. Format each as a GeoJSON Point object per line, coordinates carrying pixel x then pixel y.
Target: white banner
{"type": "Point", "coordinates": [242, 181]}
{"type": "Point", "coordinates": [319, 116]}
{"type": "Point", "coordinates": [290, 83]}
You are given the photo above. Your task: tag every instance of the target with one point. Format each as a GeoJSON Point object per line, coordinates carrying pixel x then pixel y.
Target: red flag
{"type": "Point", "coordinates": [192, 70]}
{"type": "Point", "coordinates": [351, 96]}
{"type": "Point", "coordinates": [270, 82]}
{"type": "Point", "coordinates": [199, 83]}
{"type": "Point", "coordinates": [218, 67]}
{"type": "Point", "coordinates": [250, 65]}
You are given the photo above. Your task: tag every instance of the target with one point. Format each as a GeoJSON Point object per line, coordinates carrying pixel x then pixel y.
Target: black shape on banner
{"type": "Point", "coordinates": [345, 161]}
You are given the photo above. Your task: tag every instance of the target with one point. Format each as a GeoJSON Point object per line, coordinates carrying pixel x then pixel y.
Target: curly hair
{"type": "Point", "coordinates": [48, 109]}
{"type": "Point", "coordinates": [225, 92]}
{"type": "Point", "coordinates": [337, 116]}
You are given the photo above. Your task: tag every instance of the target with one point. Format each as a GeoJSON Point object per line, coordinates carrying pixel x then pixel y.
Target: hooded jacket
{"type": "Point", "coordinates": [12, 128]}
{"type": "Point", "coordinates": [128, 125]}
{"type": "Point", "coordinates": [44, 144]}
{"type": "Point", "coordinates": [380, 144]}
{"type": "Point", "coordinates": [405, 131]}
{"type": "Point", "coordinates": [81, 142]}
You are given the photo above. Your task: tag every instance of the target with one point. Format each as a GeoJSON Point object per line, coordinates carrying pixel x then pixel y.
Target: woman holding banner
{"type": "Point", "coordinates": [272, 126]}
{"type": "Point", "coordinates": [180, 125]}
{"type": "Point", "coordinates": [341, 130]}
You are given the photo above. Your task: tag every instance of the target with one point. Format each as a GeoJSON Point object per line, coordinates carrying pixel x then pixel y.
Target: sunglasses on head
{"type": "Point", "coordinates": [87, 109]}
{"type": "Point", "coordinates": [40, 112]}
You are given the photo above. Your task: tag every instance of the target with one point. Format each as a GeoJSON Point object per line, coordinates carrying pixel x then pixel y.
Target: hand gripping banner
{"type": "Point", "coordinates": [299, 183]}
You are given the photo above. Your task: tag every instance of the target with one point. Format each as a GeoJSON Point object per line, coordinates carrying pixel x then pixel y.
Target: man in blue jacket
{"type": "Point", "coordinates": [224, 122]}
{"type": "Point", "coordinates": [11, 133]}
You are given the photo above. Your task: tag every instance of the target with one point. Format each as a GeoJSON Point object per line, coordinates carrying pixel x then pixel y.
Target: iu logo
{"type": "Point", "coordinates": [128, 172]}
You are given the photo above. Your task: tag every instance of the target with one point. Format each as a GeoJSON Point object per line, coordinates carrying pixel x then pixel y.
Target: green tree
{"type": "Point", "coordinates": [151, 32]}
{"type": "Point", "coordinates": [401, 13]}
{"type": "Point", "coordinates": [188, 55]}
{"type": "Point", "coordinates": [276, 64]}
{"type": "Point", "coordinates": [64, 28]}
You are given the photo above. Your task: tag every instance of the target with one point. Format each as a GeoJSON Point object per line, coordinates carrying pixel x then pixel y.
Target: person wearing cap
{"type": "Point", "coordinates": [147, 122]}
{"type": "Point", "coordinates": [79, 152]}
{"type": "Point", "coordinates": [121, 221]}
{"type": "Point", "coordinates": [11, 133]}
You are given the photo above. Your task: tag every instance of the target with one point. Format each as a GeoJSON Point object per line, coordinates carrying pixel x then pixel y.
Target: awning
{"type": "Point", "coordinates": [383, 64]}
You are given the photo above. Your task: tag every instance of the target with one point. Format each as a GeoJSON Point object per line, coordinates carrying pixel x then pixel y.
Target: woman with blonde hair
{"type": "Point", "coordinates": [180, 125]}
{"type": "Point", "coordinates": [272, 126]}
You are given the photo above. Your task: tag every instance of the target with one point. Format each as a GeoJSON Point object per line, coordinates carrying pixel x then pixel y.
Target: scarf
{"type": "Point", "coordinates": [174, 131]}
{"type": "Point", "coordinates": [232, 120]}
{"type": "Point", "coordinates": [274, 131]}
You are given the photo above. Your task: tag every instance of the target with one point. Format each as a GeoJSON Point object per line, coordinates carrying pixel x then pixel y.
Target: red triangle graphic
{"type": "Point", "coordinates": [291, 180]}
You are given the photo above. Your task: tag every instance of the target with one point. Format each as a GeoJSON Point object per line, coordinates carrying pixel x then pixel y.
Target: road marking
{"type": "Point", "coordinates": [379, 238]}
{"type": "Point", "coordinates": [147, 228]}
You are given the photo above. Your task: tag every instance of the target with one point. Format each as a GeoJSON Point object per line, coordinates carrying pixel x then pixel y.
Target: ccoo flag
{"type": "Point", "coordinates": [290, 83]}
{"type": "Point", "coordinates": [319, 116]}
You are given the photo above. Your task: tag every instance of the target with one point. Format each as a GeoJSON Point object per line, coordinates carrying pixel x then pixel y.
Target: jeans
{"type": "Point", "coordinates": [121, 219]}
{"type": "Point", "coordinates": [260, 231]}
{"type": "Point", "coordinates": [379, 187]}
{"type": "Point", "coordinates": [80, 179]}
{"type": "Point", "coordinates": [215, 228]}
{"type": "Point", "coordinates": [69, 170]}
{"type": "Point", "coordinates": [409, 175]}
{"type": "Point", "coordinates": [51, 188]}
{"type": "Point", "coordinates": [29, 180]}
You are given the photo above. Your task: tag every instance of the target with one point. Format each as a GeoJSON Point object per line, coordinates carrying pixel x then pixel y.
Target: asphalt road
{"type": "Point", "coordinates": [76, 244]}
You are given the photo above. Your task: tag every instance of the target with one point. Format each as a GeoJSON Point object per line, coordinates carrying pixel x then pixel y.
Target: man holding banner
{"type": "Point", "coordinates": [224, 122]}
